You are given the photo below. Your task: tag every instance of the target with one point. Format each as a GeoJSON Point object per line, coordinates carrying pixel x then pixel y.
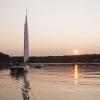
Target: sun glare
{"type": "Point", "coordinates": [76, 52]}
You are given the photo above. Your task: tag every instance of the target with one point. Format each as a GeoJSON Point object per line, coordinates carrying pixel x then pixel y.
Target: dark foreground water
{"type": "Point", "coordinates": [52, 82]}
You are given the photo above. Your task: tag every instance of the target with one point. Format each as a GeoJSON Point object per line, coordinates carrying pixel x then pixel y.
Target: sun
{"type": "Point", "coordinates": [76, 52]}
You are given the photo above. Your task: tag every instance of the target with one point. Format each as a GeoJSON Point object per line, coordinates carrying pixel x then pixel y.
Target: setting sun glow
{"type": "Point", "coordinates": [76, 52]}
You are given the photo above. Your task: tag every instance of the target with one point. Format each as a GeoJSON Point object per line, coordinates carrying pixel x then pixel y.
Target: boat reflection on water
{"type": "Point", "coordinates": [76, 74]}
{"type": "Point", "coordinates": [17, 76]}
{"type": "Point", "coordinates": [26, 86]}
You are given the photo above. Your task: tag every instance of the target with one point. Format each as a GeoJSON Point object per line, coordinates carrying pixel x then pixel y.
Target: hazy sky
{"type": "Point", "coordinates": [56, 27]}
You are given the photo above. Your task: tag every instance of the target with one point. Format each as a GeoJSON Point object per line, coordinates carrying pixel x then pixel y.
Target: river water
{"type": "Point", "coordinates": [52, 82]}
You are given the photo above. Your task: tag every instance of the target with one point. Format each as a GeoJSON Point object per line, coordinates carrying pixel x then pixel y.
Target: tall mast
{"type": "Point", "coordinates": [26, 44]}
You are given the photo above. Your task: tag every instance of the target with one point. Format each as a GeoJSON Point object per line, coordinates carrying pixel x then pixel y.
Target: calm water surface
{"type": "Point", "coordinates": [52, 82]}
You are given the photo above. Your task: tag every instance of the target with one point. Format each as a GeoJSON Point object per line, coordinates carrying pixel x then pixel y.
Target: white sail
{"type": "Point", "coordinates": [26, 44]}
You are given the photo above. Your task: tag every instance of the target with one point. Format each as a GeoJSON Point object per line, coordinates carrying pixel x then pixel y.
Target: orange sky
{"type": "Point", "coordinates": [56, 27]}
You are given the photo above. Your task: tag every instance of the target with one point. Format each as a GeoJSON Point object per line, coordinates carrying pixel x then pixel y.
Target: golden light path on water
{"type": "Point", "coordinates": [76, 74]}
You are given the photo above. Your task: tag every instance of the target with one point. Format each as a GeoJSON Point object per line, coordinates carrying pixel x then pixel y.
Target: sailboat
{"type": "Point", "coordinates": [23, 67]}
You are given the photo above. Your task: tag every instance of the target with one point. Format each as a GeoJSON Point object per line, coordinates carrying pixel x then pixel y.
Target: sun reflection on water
{"type": "Point", "coordinates": [76, 74]}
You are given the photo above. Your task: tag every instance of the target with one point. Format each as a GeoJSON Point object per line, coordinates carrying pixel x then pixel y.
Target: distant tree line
{"type": "Point", "coordinates": [88, 58]}
{"type": "Point", "coordinates": [4, 60]}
